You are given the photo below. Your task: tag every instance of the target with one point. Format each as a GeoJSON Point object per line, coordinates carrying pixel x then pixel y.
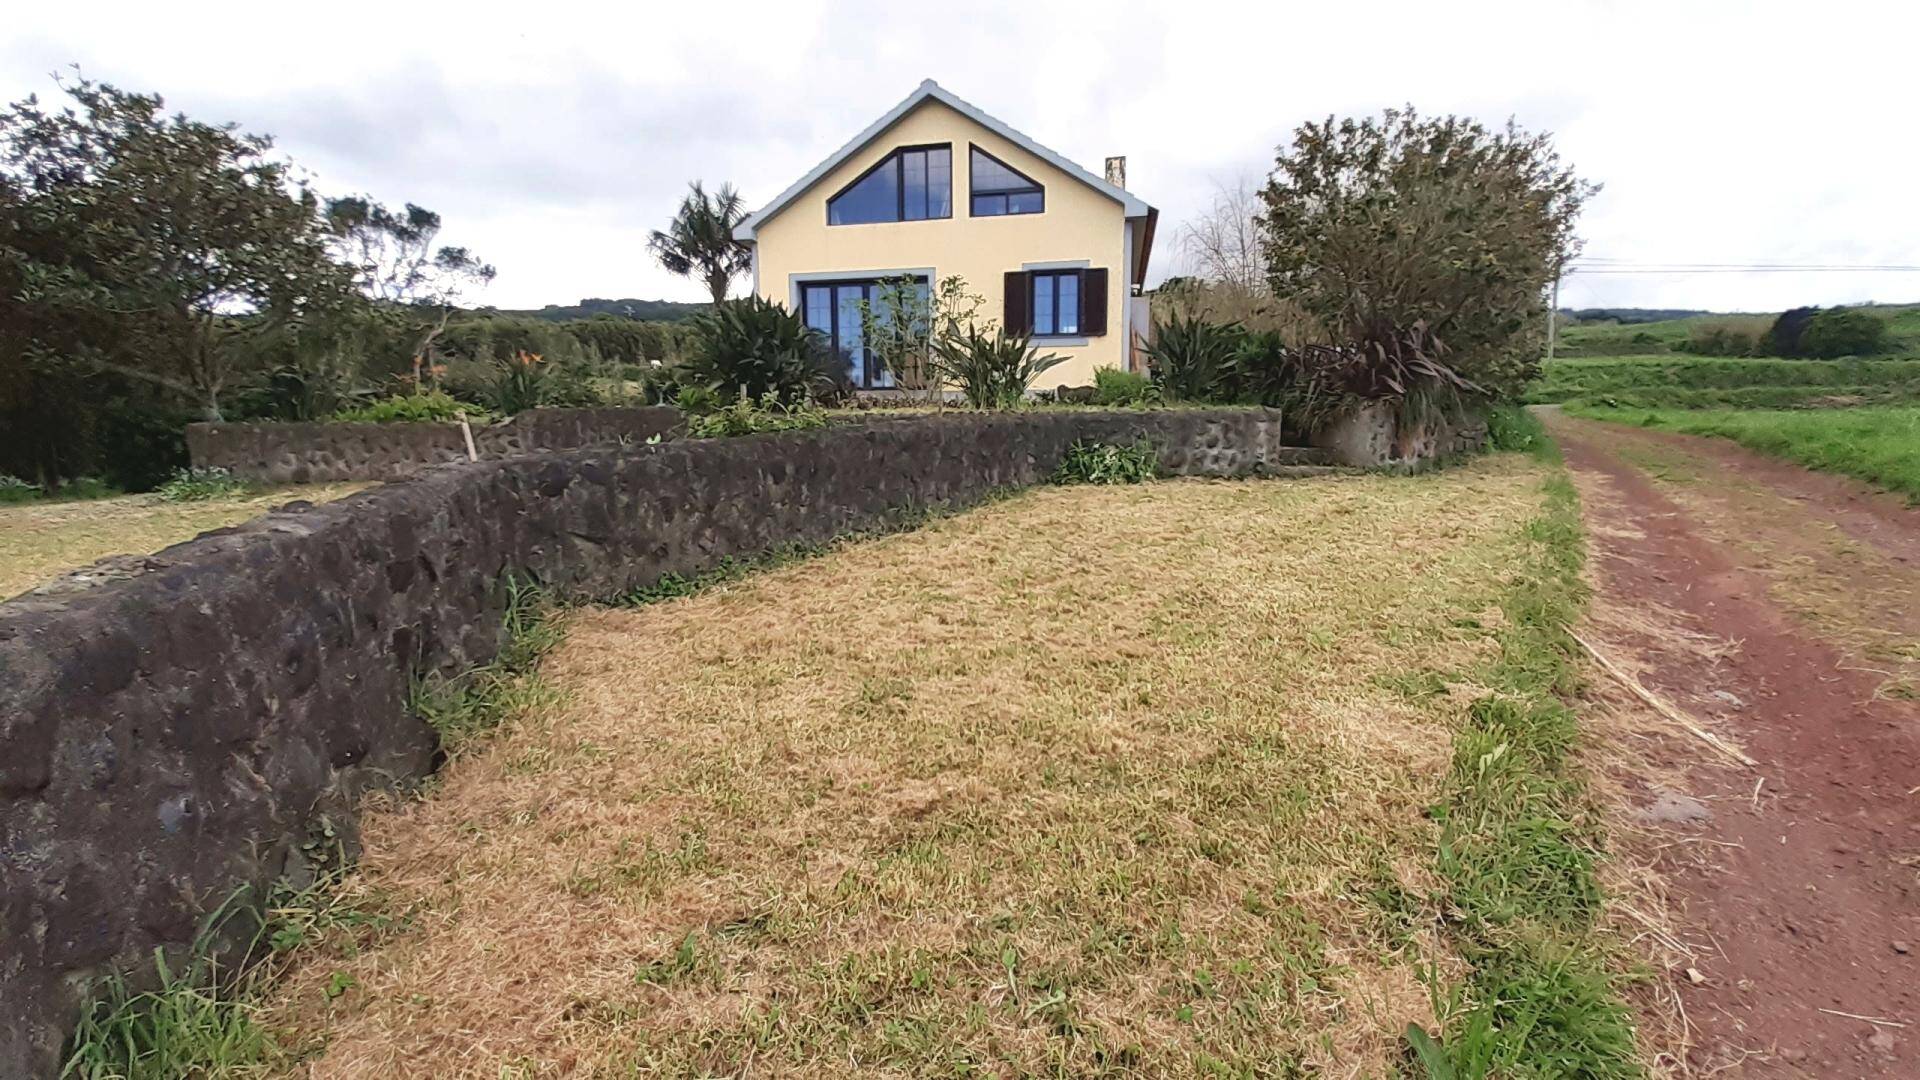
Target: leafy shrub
{"type": "Point", "coordinates": [1510, 427]}
{"type": "Point", "coordinates": [747, 417]}
{"type": "Point", "coordinates": [1103, 463]}
{"type": "Point", "coordinates": [1841, 332]}
{"type": "Point", "coordinates": [434, 406]}
{"type": "Point", "coordinates": [200, 485]}
{"type": "Point", "coordinates": [1729, 337]}
{"type": "Point", "coordinates": [519, 382]}
{"type": "Point", "coordinates": [1111, 386]}
{"type": "Point", "coordinates": [754, 347]}
{"type": "Point", "coordinates": [15, 490]}
{"type": "Point", "coordinates": [1191, 359]}
{"type": "Point", "coordinates": [1788, 328]}
{"type": "Point", "coordinates": [696, 400]}
{"type": "Point", "coordinates": [993, 370]}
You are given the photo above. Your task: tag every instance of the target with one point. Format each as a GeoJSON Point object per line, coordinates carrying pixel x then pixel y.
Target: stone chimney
{"type": "Point", "coordinates": [1117, 171]}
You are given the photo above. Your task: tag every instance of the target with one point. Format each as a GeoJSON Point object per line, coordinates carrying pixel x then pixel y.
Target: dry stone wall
{"type": "Point", "coordinates": [173, 736]}
{"type": "Point", "coordinates": [296, 453]}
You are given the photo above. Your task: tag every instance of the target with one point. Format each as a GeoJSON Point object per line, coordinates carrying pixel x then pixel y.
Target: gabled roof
{"type": "Point", "coordinates": [929, 89]}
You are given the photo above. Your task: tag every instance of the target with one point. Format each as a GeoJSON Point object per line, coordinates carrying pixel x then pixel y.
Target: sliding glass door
{"type": "Point", "coordinates": [833, 308]}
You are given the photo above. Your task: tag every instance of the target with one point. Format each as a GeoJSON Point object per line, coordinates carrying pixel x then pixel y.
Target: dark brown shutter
{"type": "Point", "coordinates": [1093, 302]}
{"type": "Point", "coordinates": [1016, 310]}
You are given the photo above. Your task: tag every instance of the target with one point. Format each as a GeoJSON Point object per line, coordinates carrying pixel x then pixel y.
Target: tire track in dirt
{"type": "Point", "coordinates": [1803, 894]}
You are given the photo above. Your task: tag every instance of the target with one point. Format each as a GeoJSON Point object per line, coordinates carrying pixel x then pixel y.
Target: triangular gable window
{"type": "Point", "coordinates": [911, 184]}
{"type": "Point", "coordinates": [998, 188]}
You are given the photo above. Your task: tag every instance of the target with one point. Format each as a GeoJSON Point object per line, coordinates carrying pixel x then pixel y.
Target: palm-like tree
{"type": "Point", "coordinates": [700, 240]}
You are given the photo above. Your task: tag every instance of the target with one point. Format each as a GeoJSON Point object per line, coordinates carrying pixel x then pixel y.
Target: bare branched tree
{"type": "Point", "coordinates": [1222, 245]}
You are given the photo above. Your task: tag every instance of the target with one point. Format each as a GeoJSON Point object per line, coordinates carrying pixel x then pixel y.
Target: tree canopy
{"type": "Point", "coordinates": [699, 241]}
{"type": "Point", "coordinates": [1374, 225]}
{"type": "Point", "coordinates": [153, 245]}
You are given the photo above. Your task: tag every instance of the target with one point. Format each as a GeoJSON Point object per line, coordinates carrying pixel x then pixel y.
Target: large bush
{"type": "Point", "coordinates": [1735, 336]}
{"type": "Point", "coordinates": [1788, 328]}
{"type": "Point", "coordinates": [753, 347]}
{"type": "Point", "coordinates": [1843, 332]}
{"type": "Point", "coordinates": [1374, 226]}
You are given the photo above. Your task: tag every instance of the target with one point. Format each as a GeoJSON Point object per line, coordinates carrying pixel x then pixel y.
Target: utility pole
{"type": "Point", "coordinates": [1553, 312]}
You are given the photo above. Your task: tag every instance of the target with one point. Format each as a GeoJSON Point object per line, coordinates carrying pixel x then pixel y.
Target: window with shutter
{"type": "Point", "coordinates": [1062, 303]}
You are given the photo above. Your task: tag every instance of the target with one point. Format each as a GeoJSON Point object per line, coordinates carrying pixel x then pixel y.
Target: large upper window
{"type": "Point", "coordinates": [998, 188]}
{"type": "Point", "coordinates": [913, 184]}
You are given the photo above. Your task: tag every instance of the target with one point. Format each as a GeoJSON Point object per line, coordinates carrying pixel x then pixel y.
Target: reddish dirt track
{"type": "Point", "coordinates": [1807, 897]}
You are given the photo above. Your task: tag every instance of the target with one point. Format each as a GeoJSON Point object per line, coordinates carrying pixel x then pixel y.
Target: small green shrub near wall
{"type": "Point", "coordinates": [434, 406]}
{"type": "Point", "coordinates": [202, 485]}
{"type": "Point", "coordinates": [745, 417]}
{"type": "Point", "coordinates": [1104, 463]}
{"type": "Point", "coordinates": [1111, 386]}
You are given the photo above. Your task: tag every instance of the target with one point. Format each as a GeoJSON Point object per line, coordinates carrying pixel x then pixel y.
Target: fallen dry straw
{"type": "Point", "coordinates": [1663, 707]}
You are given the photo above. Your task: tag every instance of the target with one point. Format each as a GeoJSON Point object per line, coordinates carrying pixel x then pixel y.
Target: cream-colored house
{"type": "Point", "coordinates": [937, 188]}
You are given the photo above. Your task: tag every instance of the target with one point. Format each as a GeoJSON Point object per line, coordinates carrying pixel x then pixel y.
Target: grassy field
{"type": "Point", "coordinates": [1698, 382]}
{"type": "Point", "coordinates": [1879, 445]}
{"type": "Point", "coordinates": [39, 541]}
{"type": "Point", "coordinates": [1664, 336]}
{"type": "Point", "coordinates": [1240, 800]}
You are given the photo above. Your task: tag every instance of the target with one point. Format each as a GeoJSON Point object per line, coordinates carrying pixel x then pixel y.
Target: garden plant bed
{"type": "Point", "coordinates": [1155, 798]}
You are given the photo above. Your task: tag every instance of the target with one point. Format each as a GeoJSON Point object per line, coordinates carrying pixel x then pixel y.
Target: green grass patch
{"type": "Point", "coordinates": [1879, 445]}
{"type": "Point", "coordinates": [1713, 382]}
{"type": "Point", "coordinates": [462, 707]}
{"type": "Point", "coordinates": [1518, 846]}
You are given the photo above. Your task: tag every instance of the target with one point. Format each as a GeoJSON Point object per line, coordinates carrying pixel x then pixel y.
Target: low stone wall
{"type": "Point", "coordinates": [287, 453]}
{"type": "Point", "coordinates": [1373, 437]}
{"type": "Point", "coordinates": [171, 737]}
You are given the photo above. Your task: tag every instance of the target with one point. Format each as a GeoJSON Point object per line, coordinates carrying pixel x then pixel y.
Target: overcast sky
{"type": "Point", "coordinates": [553, 137]}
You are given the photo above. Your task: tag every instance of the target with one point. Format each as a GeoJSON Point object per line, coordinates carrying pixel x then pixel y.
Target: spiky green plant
{"type": "Point", "coordinates": [753, 347]}
{"type": "Point", "coordinates": [992, 370]}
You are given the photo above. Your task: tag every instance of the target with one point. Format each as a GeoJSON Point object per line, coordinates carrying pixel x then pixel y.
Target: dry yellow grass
{"type": "Point", "coordinates": [1123, 780]}
{"type": "Point", "coordinates": [41, 541]}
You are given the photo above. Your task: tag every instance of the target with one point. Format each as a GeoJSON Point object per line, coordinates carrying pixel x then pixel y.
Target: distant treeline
{"type": "Point", "coordinates": [653, 310]}
{"type": "Point", "coordinates": [1630, 315]}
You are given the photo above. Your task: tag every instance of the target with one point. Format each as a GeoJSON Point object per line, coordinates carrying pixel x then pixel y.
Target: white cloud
{"type": "Point", "coordinates": [553, 136]}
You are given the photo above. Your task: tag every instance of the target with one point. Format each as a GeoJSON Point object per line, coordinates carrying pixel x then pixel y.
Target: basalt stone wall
{"type": "Point", "coordinates": [294, 453]}
{"type": "Point", "coordinates": [173, 736]}
{"type": "Point", "coordinates": [1375, 437]}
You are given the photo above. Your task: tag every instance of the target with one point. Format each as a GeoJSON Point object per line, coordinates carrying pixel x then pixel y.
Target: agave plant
{"type": "Point", "coordinates": [992, 370]}
{"type": "Point", "coordinates": [754, 347]}
{"type": "Point", "coordinates": [1191, 359]}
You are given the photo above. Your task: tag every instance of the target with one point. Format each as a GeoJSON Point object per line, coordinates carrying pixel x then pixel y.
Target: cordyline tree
{"type": "Point", "coordinates": [1381, 225]}
{"type": "Point", "coordinates": [153, 246]}
{"type": "Point", "coordinates": [700, 240]}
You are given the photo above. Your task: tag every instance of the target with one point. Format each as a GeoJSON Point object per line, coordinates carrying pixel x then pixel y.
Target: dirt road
{"type": "Point", "coordinates": [1783, 608]}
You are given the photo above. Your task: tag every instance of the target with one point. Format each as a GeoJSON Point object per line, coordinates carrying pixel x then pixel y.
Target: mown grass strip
{"type": "Point", "coordinates": [200, 1017]}
{"type": "Point", "coordinates": [1518, 843]}
{"type": "Point", "coordinates": [1709, 382]}
{"type": "Point", "coordinates": [1878, 445]}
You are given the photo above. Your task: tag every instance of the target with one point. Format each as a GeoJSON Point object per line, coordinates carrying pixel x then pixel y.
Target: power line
{"type": "Point", "coordinates": [1745, 270]}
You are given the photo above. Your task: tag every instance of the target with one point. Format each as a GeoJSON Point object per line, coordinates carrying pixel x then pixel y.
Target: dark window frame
{"type": "Point", "coordinates": [869, 366]}
{"type": "Point", "coordinates": [1054, 274]}
{"type": "Point", "coordinates": [897, 161]}
{"type": "Point", "coordinates": [1034, 187]}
